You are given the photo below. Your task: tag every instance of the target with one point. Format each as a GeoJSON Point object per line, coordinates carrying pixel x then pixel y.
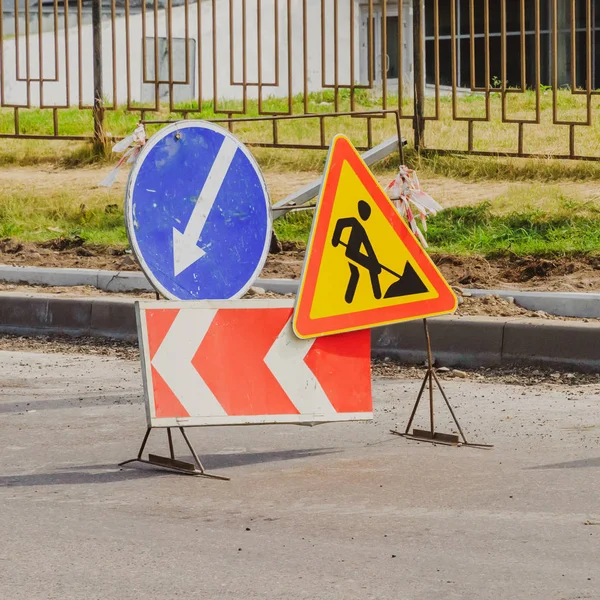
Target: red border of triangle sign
{"type": "Point", "coordinates": [310, 323]}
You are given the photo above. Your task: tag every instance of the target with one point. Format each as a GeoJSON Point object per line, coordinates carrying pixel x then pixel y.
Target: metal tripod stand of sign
{"type": "Point", "coordinates": [364, 267]}
{"type": "Point", "coordinates": [432, 436]}
{"type": "Point", "coordinates": [171, 463]}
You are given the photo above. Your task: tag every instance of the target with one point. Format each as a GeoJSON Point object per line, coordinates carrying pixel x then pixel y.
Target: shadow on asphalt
{"type": "Point", "coordinates": [110, 473]}
{"type": "Point", "coordinates": [585, 463]}
{"type": "Point", "coordinates": [79, 401]}
{"type": "Point", "coordinates": [90, 475]}
{"type": "Point", "coordinates": [224, 461]}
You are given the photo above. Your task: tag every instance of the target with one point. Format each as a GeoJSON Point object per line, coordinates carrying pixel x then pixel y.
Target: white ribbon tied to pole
{"type": "Point", "coordinates": [132, 146]}
{"type": "Point", "coordinates": [405, 190]}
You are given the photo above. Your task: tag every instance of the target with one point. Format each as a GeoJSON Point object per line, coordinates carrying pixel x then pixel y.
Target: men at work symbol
{"type": "Point", "coordinates": [408, 283]}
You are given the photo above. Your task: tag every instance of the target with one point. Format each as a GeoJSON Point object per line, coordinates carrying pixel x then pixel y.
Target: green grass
{"type": "Point", "coordinates": [480, 230]}
{"type": "Point", "coordinates": [562, 201]}
{"type": "Point", "coordinates": [488, 168]}
{"type": "Point", "coordinates": [477, 230]}
{"type": "Point", "coordinates": [445, 133]}
{"type": "Point", "coordinates": [31, 217]}
{"type": "Point", "coordinates": [567, 228]}
{"type": "Point", "coordinates": [535, 219]}
{"type": "Point", "coordinates": [538, 215]}
{"type": "Point", "coordinates": [295, 226]}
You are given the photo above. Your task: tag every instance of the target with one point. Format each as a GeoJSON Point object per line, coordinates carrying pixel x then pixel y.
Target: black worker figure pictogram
{"type": "Point", "coordinates": [408, 283]}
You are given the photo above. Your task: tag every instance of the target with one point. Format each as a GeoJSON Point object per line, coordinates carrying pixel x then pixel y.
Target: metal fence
{"type": "Point", "coordinates": [508, 77]}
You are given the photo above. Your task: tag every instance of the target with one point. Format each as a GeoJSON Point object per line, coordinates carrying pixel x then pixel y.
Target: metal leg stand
{"type": "Point", "coordinates": [171, 451]}
{"type": "Point", "coordinates": [432, 436]}
{"type": "Point", "coordinates": [201, 470]}
{"type": "Point", "coordinates": [171, 462]}
{"type": "Point", "coordinates": [139, 456]}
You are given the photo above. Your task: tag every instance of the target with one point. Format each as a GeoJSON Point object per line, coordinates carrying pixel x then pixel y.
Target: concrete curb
{"type": "Point", "coordinates": [456, 341]}
{"type": "Point", "coordinates": [565, 304]}
{"type": "Point", "coordinates": [493, 342]}
{"type": "Point", "coordinates": [582, 305]}
{"type": "Point", "coordinates": [109, 281]}
{"type": "Point", "coordinates": [42, 314]}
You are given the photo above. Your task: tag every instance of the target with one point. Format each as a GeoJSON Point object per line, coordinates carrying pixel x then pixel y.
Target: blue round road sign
{"type": "Point", "coordinates": [198, 213]}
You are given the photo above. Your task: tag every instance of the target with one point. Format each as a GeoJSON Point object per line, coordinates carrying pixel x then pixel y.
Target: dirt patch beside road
{"type": "Point", "coordinates": [65, 254]}
{"type": "Point", "coordinates": [529, 376]}
{"type": "Point", "coordinates": [76, 291]}
{"type": "Point", "coordinates": [488, 306]}
{"type": "Point", "coordinates": [573, 274]}
{"type": "Point", "coordinates": [579, 274]}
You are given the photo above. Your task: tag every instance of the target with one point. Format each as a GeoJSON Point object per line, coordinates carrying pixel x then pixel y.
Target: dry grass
{"type": "Point", "coordinates": [495, 136]}
{"type": "Point", "coordinates": [552, 200]}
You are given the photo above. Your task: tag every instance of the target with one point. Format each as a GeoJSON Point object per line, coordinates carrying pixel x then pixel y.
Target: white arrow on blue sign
{"type": "Point", "coordinates": [198, 213]}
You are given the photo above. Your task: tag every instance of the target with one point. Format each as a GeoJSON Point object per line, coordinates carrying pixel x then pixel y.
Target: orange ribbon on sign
{"type": "Point", "coordinates": [405, 190]}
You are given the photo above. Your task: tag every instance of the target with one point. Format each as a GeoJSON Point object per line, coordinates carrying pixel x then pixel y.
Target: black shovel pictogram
{"type": "Point", "coordinates": [408, 283]}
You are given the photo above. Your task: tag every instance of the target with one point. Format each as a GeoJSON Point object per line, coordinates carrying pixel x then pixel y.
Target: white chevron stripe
{"type": "Point", "coordinates": [173, 361]}
{"type": "Point", "coordinates": [285, 359]}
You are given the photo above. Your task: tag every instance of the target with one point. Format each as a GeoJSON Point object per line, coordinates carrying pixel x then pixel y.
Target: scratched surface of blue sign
{"type": "Point", "coordinates": [198, 213]}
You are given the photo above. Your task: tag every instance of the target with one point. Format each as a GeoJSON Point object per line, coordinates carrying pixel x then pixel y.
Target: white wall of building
{"type": "Point", "coordinates": [81, 89]}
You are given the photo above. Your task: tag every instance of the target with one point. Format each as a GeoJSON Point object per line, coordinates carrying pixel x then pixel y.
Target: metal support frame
{"type": "Point", "coordinates": [432, 436]}
{"type": "Point", "coordinates": [305, 194]}
{"type": "Point", "coordinates": [171, 463]}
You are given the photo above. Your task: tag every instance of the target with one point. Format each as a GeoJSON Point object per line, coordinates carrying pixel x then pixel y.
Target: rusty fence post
{"type": "Point", "coordinates": [98, 110]}
{"type": "Point", "coordinates": [419, 74]}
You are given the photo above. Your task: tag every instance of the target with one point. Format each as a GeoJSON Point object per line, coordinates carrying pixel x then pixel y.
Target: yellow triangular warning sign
{"type": "Point", "coordinates": [363, 266]}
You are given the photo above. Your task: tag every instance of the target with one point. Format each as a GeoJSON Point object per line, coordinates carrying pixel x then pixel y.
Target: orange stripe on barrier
{"type": "Point", "coordinates": [338, 362]}
{"type": "Point", "coordinates": [166, 403]}
{"type": "Point", "coordinates": [231, 357]}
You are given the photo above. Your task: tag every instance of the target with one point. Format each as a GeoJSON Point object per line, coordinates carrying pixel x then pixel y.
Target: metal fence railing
{"type": "Point", "coordinates": [508, 77]}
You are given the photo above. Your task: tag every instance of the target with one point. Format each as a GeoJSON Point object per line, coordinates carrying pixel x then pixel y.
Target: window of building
{"type": "Point", "coordinates": [513, 42]}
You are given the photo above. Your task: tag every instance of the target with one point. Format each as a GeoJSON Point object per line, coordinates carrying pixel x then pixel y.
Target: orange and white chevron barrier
{"type": "Point", "coordinates": [240, 363]}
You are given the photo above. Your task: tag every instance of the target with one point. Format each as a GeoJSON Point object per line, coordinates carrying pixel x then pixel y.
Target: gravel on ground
{"type": "Point", "coordinates": [387, 369]}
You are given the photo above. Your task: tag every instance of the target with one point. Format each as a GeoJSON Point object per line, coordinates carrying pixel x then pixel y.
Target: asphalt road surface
{"type": "Point", "coordinates": [344, 511]}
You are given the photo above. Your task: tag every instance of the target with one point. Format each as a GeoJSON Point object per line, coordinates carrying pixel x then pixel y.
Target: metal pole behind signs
{"type": "Point", "coordinates": [419, 71]}
{"type": "Point", "coordinates": [98, 110]}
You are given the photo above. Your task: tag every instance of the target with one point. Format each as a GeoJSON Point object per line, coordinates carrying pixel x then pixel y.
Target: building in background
{"type": "Point", "coordinates": [516, 25]}
{"type": "Point", "coordinates": [316, 45]}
